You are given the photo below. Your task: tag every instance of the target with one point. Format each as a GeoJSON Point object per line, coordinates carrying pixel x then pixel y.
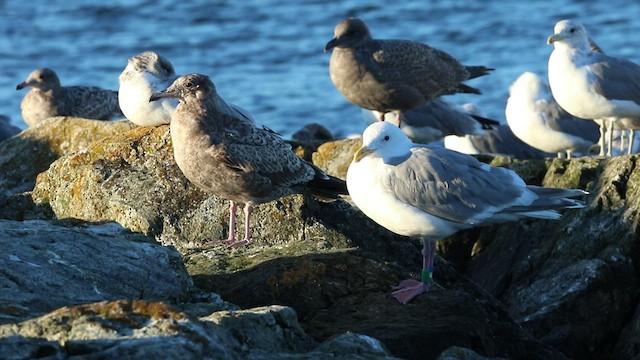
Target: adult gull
{"type": "Point", "coordinates": [431, 192]}
{"type": "Point", "coordinates": [232, 157]}
{"type": "Point", "coordinates": [590, 84]}
{"type": "Point", "coordinates": [393, 75]}
{"type": "Point", "coordinates": [536, 118]}
{"type": "Point", "coordinates": [47, 98]}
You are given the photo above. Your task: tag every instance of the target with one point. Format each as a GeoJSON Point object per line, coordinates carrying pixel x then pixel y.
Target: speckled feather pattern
{"type": "Point", "coordinates": [231, 156]}
{"type": "Point", "coordinates": [388, 75]}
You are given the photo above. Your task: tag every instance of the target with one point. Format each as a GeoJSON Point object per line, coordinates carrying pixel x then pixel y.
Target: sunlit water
{"type": "Point", "coordinates": [267, 56]}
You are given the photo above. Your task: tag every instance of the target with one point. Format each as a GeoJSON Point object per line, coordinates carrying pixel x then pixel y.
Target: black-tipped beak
{"type": "Point", "coordinates": [331, 44]}
{"type": "Point", "coordinates": [162, 95]}
{"type": "Point", "coordinates": [21, 86]}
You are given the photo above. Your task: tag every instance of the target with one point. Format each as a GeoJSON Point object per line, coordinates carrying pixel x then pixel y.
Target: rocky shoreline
{"type": "Point", "coordinates": [103, 258]}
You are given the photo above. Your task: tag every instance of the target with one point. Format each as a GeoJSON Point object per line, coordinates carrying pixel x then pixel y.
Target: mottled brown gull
{"type": "Point", "coordinates": [590, 84]}
{"type": "Point", "coordinates": [232, 157]}
{"type": "Point", "coordinates": [145, 74]}
{"type": "Point", "coordinates": [393, 75]}
{"type": "Point", "coordinates": [47, 98]}
{"type": "Point", "coordinates": [431, 192]}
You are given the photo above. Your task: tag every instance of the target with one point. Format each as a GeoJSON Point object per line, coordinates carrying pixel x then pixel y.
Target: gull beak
{"type": "Point", "coordinates": [361, 153]}
{"type": "Point", "coordinates": [22, 85]}
{"type": "Point", "coordinates": [331, 44]}
{"type": "Point", "coordinates": [553, 38]}
{"type": "Point", "coordinates": [163, 95]}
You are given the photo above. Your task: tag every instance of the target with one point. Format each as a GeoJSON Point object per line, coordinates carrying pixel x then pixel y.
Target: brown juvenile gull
{"type": "Point", "coordinates": [47, 99]}
{"type": "Point", "coordinates": [145, 74]}
{"type": "Point", "coordinates": [231, 157]}
{"type": "Point", "coordinates": [393, 75]}
{"type": "Point", "coordinates": [590, 84]}
{"type": "Point", "coordinates": [431, 192]}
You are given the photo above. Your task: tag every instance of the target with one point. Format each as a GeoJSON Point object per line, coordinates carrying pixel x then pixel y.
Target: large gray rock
{"type": "Point", "coordinates": [140, 329]}
{"type": "Point", "coordinates": [44, 266]}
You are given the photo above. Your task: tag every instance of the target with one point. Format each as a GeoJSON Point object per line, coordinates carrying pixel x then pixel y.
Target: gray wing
{"type": "Point", "coordinates": [558, 119]}
{"type": "Point", "coordinates": [428, 69]}
{"type": "Point", "coordinates": [262, 153]}
{"type": "Point", "coordinates": [616, 78]}
{"type": "Point", "coordinates": [91, 102]}
{"type": "Point", "coordinates": [441, 115]}
{"type": "Point", "coordinates": [501, 141]}
{"type": "Point", "coordinates": [453, 186]}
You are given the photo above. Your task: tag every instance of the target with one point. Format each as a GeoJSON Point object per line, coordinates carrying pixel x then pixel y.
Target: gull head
{"type": "Point", "coordinates": [570, 33]}
{"type": "Point", "coordinates": [349, 33]}
{"type": "Point", "coordinates": [529, 86]}
{"type": "Point", "coordinates": [383, 140]}
{"type": "Point", "coordinates": [42, 78]}
{"type": "Point", "coordinates": [191, 86]}
{"type": "Point", "coordinates": [150, 62]}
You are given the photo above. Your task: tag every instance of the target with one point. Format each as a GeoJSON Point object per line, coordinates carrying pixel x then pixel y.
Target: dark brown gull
{"type": "Point", "coordinates": [232, 157]}
{"type": "Point", "coordinates": [431, 192]}
{"type": "Point", "coordinates": [393, 75]}
{"type": "Point", "coordinates": [47, 98]}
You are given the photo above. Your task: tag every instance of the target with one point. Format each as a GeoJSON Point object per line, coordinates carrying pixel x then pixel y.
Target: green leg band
{"type": "Point", "coordinates": [427, 275]}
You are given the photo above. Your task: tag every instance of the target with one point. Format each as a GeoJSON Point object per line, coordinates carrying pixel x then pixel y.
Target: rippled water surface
{"type": "Point", "coordinates": [267, 56]}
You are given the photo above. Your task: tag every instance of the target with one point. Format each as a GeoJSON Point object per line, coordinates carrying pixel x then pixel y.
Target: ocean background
{"type": "Point", "coordinates": [267, 56]}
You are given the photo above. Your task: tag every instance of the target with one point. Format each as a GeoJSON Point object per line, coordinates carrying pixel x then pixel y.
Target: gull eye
{"type": "Point", "coordinates": [572, 30]}
{"type": "Point", "coordinates": [386, 138]}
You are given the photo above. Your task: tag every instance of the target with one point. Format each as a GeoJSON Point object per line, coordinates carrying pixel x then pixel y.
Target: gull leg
{"type": "Point", "coordinates": [609, 137]}
{"type": "Point", "coordinates": [623, 136]}
{"type": "Point", "coordinates": [632, 136]}
{"type": "Point", "coordinates": [409, 289]}
{"type": "Point", "coordinates": [248, 210]}
{"type": "Point", "coordinates": [602, 129]}
{"type": "Point", "coordinates": [231, 238]}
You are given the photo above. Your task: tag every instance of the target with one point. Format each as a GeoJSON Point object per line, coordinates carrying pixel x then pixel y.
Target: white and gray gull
{"type": "Point", "coordinates": [233, 158]}
{"type": "Point", "coordinates": [431, 192]}
{"type": "Point", "coordinates": [47, 98]}
{"type": "Point", "coordinates": [590, 84]}
{"type": "Point", "coordinates": [393, 75]}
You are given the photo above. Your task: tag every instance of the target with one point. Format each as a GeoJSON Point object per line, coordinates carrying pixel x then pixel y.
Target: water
{"type": "Point", "coordinates": [267, 55]}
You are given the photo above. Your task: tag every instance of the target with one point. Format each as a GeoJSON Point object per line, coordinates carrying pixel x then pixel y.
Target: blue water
{"type": "Point", "coordinates": [267, 55]}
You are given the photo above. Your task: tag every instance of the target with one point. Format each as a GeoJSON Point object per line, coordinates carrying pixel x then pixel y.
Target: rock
{"type": "Point", "coordinates": [532, 289]}
{"type": "Point", "coordinates": [141, 329]}
{"type": "Point", "coordinates": [24, 156]}
{"type": "Point", "coordinates": [45, 266]}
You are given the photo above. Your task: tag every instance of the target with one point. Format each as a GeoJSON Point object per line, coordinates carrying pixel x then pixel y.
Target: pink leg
{"type": "Point", "coordinates": [248, 210]}
{"type": "Point", "coordinates": [231, 239]}
{"type": "Point", "coordinates": [409, 289]}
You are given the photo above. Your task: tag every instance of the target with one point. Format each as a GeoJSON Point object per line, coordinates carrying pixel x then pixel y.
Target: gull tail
{"type": "Point", "coordinates": [326, 186]}
{"type": "Point", "coordinates": [549, 201]}
{"type": "Point", "coordinates": [485, 122]}
{"type": "Point", "coordinates": [477, 71]}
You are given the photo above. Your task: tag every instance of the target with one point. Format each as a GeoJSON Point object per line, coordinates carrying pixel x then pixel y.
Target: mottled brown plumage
{"type": "Point", "coordinates": [47, 98]}
{"type": "Point", "coordinates": [231, 157]}
{"type": "Point", "coordinates": [393, 75]}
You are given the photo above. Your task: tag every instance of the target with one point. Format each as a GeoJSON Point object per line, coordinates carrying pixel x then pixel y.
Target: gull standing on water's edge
{"type": "Point", "coordinates": [232, 157]}
{"type": "Point", "coordinates": [431, 192]}
{"type": "Point", "coordinates": [47, 98]}
{"type": "Point", "coordinates": [393, 75]}
{"type": "Point", "coordinates": [590, 84]}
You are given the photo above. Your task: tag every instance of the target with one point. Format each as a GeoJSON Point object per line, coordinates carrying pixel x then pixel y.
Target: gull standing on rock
{"type": "Point", "coordinates": [536, 118]}
{"type": "Point", "coordinates": [589, 84]}
{"type": "Point", "coordinates": [431, 192]}
{"type": "Point", "coordinates": [48, 99]}
{"type": "Point", "coordinates": [146, 74]}
{"type": "Point", "coordinates": [231, 157]}
{"type": "Point", "coordinates": [393, 75]}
